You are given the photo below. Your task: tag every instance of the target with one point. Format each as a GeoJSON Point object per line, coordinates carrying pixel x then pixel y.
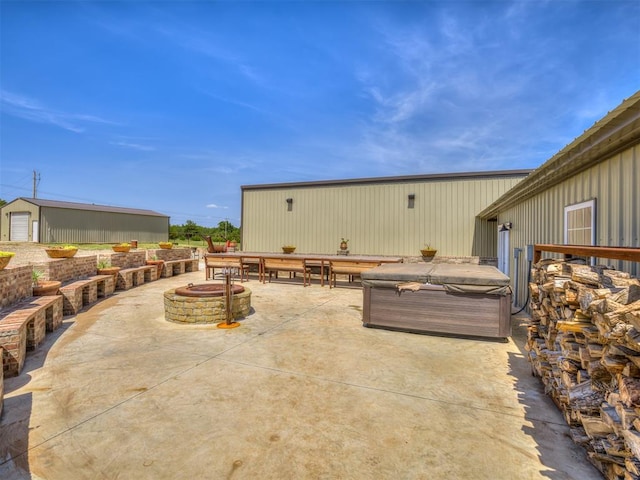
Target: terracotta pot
{"type": "Point", "coordinates": [159, 265]}
{"type": "Point", "coordinates": [343, 245]}
{"type": "Point", "coordinates": [288, 249]}
{"type": "Point", "coordinates": [46, 288]}
{"type": "Point", "coordinates": [109, 271]}
{"type": "Point", "coordinates": [4, 261]}
{"type": "Point", "coordinates": [61, 252]}
{"type": "Point", "coordinates": [121, 248]}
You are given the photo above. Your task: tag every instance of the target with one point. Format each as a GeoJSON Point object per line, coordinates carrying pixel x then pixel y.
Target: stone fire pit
{"type": "Point", "coordinates": [205, 303]}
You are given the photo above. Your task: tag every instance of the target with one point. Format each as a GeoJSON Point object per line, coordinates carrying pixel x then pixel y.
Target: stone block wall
{"type": "Point", "coordinates": [168, 254]}
{"type": "Point", "coordinates": [67, 269]}
{"type": "Point", "coordinates": [15, 284]}
{"type": "Point", "coordinates": [127, 260]}
{"type": "Point", "coordinates": [14, 343]}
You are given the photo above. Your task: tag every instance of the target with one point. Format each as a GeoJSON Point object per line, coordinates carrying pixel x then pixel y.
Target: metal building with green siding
{"type": "Point", "coordinates": [382, 216]}
{"type": "Point", "coordinates": [50, 221]}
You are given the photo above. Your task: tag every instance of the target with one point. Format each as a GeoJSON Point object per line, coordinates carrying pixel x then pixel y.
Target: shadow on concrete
{"type": "Point", "coordinates": [16, 412]}
{"type": "Point", "coordinates": [544, 422]}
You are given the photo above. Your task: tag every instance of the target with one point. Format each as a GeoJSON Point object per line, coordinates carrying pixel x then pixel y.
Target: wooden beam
{"type": "Point", "coordinates": [616, 253]}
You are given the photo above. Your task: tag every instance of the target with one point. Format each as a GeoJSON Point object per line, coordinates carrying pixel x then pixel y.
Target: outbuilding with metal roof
{"type": "Point", "coordinates": [51, 221]}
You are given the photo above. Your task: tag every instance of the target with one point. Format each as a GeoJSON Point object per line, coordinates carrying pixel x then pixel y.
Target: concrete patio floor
{"type": "Point", "coordinates": [300, 390]}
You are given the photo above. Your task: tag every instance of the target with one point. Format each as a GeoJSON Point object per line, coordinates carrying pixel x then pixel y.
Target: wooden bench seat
{"type": "Point", "coordinates": [351, 268]}
{"type": "Point", "coordinates": [178, 267]}
{"type": "Point", "coordinates": [236, 264]}
{"type": "Point", "coordinates": [23, 327]}
{"type": "Point", "coordinates": [86, 291]}
{"type": "Point", "coordinates": [291, 265]}
{"type": "Point", "coordinates": [132, 277]}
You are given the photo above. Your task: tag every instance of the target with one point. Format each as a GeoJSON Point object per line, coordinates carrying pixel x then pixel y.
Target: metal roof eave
{"type": "Point", "coordinates": [88, 206]}
{"type": "Point", "coordinates": [396, 179]}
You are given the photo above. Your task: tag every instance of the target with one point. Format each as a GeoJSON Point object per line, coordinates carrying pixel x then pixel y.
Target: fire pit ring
{"type": "Point", "coordinates": [207, 290]}
{"type": "Point", "coordinates": [205, 303]}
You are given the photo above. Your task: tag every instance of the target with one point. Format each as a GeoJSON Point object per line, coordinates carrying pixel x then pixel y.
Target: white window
{"type": "Point", "coordinates": [580, 223]}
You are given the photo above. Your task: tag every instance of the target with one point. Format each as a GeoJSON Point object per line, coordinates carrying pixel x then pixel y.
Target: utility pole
{"type": "Point", "coordinates": [36, 175]}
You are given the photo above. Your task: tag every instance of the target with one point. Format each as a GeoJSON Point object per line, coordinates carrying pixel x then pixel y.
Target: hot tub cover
{"type": "Point", "coordinates": [454, 278]}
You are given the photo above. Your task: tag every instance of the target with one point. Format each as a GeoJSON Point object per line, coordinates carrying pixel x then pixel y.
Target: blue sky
{"type": "Point", "coordinates": [172, 106]}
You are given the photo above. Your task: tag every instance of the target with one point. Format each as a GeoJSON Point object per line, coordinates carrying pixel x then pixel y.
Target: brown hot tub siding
{"type": "Point", "coordinates": [433, 309]}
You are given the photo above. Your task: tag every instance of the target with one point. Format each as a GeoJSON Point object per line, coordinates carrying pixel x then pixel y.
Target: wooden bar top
{"type": "Point", "coordinates": [615, 253]}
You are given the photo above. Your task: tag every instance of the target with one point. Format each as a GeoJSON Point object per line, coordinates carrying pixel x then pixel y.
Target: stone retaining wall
{"type": "Point", "coordinates": [15, 284]}
{"type": "Point", "coordinates": [131, 259]}
{"type": "Point", "coordinates": [168, 254]}
{"type": "Point", "coordinates": [67, 269]}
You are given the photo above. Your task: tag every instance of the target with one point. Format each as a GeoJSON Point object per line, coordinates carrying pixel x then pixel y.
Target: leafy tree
{"type": "Point", "coordinates": [2, 202]}
{"type": "Point", "coordinates": [191, 230]}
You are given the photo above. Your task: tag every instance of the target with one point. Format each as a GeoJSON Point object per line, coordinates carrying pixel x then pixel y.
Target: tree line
{"type": "Point", "coordinates": [192, 231]}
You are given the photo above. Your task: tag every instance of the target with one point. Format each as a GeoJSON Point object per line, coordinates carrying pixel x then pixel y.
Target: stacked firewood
{"type": "Point", "coordinates": [584, 343]}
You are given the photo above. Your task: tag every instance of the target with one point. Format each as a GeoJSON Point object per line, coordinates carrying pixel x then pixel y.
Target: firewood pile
{"type": "Point", "coordinates": [584, 343]}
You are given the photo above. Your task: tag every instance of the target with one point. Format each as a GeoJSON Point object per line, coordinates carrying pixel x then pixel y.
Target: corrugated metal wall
{"type": "Point", "coordinates": [614, 184]}
{"type": "Point", "coordinates": [17, 206]}
{"type": "Point", "coordinates": [375, 217]}
{"type": "Point", "coordinates": [60, 225]}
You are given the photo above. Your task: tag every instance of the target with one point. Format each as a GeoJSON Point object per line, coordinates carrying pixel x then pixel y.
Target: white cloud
{"type": "Point", "coordinates": [213, 205]}
{"type": "Point", "coordinates": [30, 109]}
{"type": "Point", "coordinates": [134, 146]}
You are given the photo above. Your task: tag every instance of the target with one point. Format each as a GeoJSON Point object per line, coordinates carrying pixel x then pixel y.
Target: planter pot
{"type": "Point", "coordinates": [46, 288]}
{"type": "Point", "coordinates": [343, 245]}
{"type": "Point", "coordinates": [121, 248]}
{"type": "Point", "coordinates": [159, 265]}
{"type": "Point", "coordinates": [166, 245]}
{"type": "Point", "coordinates": [288, 249]}
{"type": "Point", "coordinates": [428, 252]}
{"type": "Point", "coordinates": [109, 271]}
{"type": "Point", "coordinates": [4, 260]}
{"type": "Point", "coordinates": [219, 248]}
{"type": "Point", "coordinates": [61, 252]}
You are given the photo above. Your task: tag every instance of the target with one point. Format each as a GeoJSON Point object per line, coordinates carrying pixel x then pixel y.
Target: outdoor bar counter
{"type": "Point", "coordinates": [450, 299]}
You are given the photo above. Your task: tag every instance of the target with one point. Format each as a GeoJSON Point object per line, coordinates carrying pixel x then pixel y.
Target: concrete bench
{"type": "Point", "coordinates": [273, 265]}
{"type": "Point", "coordinates": [177, 267]}
{"type": "Point", "coordinates": [351, 268]}
{"type": "Point", "coordinates": [132, 277]}
{"type": "Point", "coordinates": [23, 327]}
{"type": "Point", "coordinates": [83, 292]}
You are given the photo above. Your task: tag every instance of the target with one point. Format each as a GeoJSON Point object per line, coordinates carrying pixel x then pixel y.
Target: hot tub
{"type": "Point", "coordinates": [467, 300]}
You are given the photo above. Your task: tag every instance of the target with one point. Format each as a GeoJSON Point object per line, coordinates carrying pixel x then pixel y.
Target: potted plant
{"type": "Point", "coordinates": [43, 287]}
{"type": "Point", "coordinates": [105, 268]}
{"type": "Point", "coordinates": [165, 245]}
{"type": "Point", "coordinates": [289, 248]}
{"type": "Point", "coordinates": [65, 251]}
{"type": "Point", "coordinates": [158, 263]}
{"type": "Point", "coordinates": [121, 247]}
{"type": "Point", "coordinates": [427, 251]}
{"type": "Point", "coordinates": [5, 258]}
{"type": "Point", "coordinates": [344, 244]}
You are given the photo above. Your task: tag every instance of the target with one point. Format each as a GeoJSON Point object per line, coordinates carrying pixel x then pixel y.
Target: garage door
{"type": "Point", "coordinates": [19, 229]}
